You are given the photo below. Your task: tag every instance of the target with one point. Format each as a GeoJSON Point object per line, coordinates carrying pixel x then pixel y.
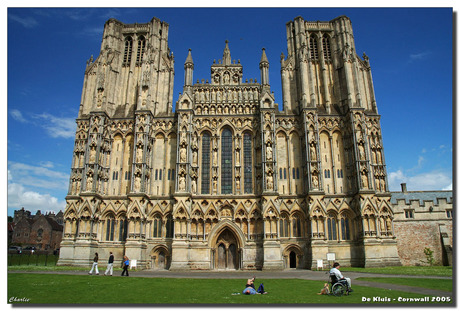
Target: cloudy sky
{"type": "Point", "coordinates": [410, 53]}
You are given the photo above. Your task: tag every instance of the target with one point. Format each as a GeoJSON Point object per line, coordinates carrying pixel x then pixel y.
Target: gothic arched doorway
{"type": "Point", "coordinates": [227, 251]}
{"type": "Point", "coordinates": [160, 259]}
{"type": "Point", "coordinates": [292, 260]}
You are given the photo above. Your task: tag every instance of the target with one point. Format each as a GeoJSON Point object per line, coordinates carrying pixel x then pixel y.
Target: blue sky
{"type": "Point", "coordinates": [410, 53]}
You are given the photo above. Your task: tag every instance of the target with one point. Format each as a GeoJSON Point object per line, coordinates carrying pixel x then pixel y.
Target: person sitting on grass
{"type": "Point", "coordinates": [251, 290]}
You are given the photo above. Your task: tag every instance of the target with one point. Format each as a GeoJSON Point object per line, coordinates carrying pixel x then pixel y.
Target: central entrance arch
{"type": "Point", "coordinates": [227, 257]}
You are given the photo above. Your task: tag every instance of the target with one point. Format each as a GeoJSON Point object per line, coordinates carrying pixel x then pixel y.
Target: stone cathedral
{"type": "Point", "coordinates": [228, 181]}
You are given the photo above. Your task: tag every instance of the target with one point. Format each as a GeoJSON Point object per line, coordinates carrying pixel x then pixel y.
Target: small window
{"type": "Point", "coordinates": [409, 213]}
{"type": "Point", "coordinates": [449, 213]}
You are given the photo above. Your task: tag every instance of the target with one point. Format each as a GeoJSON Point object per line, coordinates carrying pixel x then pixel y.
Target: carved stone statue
{"type": "Point", "coordinates": [183, 154]}
{"type": "Point", "coordinates": [270, 182]}
{"type": "Point", "coordinates": [269, 153]}
{"type": "Point", "coordinates": [182, 183]}
{"type": "Point", "coordinates": [193, 185]}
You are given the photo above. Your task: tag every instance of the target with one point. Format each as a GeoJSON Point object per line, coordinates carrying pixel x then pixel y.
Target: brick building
{"type": "Point", "coordinates": [42, 231]}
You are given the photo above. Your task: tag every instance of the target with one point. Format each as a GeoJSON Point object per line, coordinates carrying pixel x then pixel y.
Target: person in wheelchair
{"type": "Point", "coordinates": [336, 276]}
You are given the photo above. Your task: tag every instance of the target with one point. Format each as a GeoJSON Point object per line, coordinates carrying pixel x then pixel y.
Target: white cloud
{"type": "Point", "coordinates": [19, 197]}
{"type": "Point", "coordinates": [17, 115]}
{"type": "Point", "coordinates": [27, 22]}
{"type": "Point", "coordinates": [26, 170]}
{"type": "Point", "coordinates": [420, 56]}
{"type": "Point", "coordinates": [57, 127]}
{"type": "Point", "coordinates": [430, 181]}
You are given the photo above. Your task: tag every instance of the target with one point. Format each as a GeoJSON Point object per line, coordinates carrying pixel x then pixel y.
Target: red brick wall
{"type": "Point", "coordinates": [413, 237]}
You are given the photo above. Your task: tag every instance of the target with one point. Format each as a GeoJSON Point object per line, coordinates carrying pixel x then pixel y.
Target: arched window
{"type": "Point", "coordinates": [345, 226]}
{"type": "Point", "coordinates": [227, 163]}
{"type": "Point", "coordinates": [296, 226]}
{"type": "Point", "coordinates": [247, 149]}
{"type": "Point", "coordinates": [128, 50]}
{"type": "Point", "coordinates": [313, 48]}
{"type": "Point", "coordinates": [284, 226]}
{"type": "Point", "coordinates": [169, 226]}
{"type": "Point", "coordinates": [331, 227]}
{"type": "Point", "coordinates": [157, 225]}
{"type": "Point", "coordinates": [140, 49]}
{"type": "Point", "coordinates": [205, 165]}
{"type": "Point", "coordinates": [326, 48]}
{"type": "Point", "coordinates": [110, 228]}
{"type": "Point", "coordinates": [123, 232]}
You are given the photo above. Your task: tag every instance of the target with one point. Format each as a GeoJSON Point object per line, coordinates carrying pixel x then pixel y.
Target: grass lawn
{"type": "Point", "coordinates": [85, 289]}
{"type": "Point", "coordinates": [405, 270]}
{"type": "Point", "coordinates": [438, 284]}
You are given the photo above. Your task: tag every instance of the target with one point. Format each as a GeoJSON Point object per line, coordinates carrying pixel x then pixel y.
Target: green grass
{"type": "Point", "coordinates": [85, 289]}
{"type": "Point", "coordinates": [438, 284]}
{"type": "Point", "coordinates": [405, 270]}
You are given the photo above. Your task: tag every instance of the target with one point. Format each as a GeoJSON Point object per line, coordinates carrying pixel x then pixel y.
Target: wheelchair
{"type": "Point", "coordinates": [339, 287]}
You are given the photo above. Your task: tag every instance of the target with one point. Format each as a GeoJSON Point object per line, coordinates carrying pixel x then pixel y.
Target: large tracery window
{"type": "Point", "coordinates": [205, 159]}
{"type": "Point", "coordinates": [326, 48]}
{"type": "Point", "coordinates": [313, 48]}
{"type": "Point", "coordinates": [247, 148]}
{"type": "Point", "coordinates": [227, 165]}
{"type": "Point", "coordinates": [128, 50]}
{"type": "Point", "coordinates": [140, 49]}
{"type": "Point", "coordinates": [331, 227]}
{"type": "Point", "coordinates": [109, 232]}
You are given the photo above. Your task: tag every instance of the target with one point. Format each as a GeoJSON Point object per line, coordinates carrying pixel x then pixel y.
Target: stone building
{"type": "Point", "coordinates": [423, 219]}
{"type": "Point", "coordinates": [227, 180]}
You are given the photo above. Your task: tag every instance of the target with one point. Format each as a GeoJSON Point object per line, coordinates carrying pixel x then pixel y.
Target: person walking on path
{"type": "Point", "coordinates": [95, 260]}
{"type": "Point", "coordinates": [125, 266]}
{"type": "Point", "coordinates": [109, 265]}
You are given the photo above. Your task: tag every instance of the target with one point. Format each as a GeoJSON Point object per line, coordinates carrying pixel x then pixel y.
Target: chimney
{"type": "Point", "coordinates": [403, 188]}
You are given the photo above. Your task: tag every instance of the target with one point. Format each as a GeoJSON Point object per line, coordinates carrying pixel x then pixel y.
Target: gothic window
{"type": "Point", "coordinates": [344, 224]}
{"type": "Point", "coordinates": [297, 170]}
{"type": "Point", "coordinates": [140, 49]}
{"type": "Point", "coordinates": [284, 170]}
{"type": "Point", "coordinates": [157, 224]}
{"type": "Point", "coordinates": [227, 165]}
{"type": "Point", "coordinates": [128, 50]}
{"type": "Point", "coordinates": [110, 228]}
{"type": "Point", "coordinates": [313, 48]}
{"type": "Point", "coordinates": [205, 162]}
{"type": "Point", "coordinates": [284, 226]}
{"type": "Point", "coordinates": [296, 226]}
{"type": "Point", "coordinates": [281, 173]}
{"type": "Point", "coordinates": [169, 227]}
{"type": "Point", "coordinates": [123, 232]}
{"type": "Point", "coordinates": [247, 149]}
{"type": "Point", "coordinates": [326, 48]}
{"type": "Point", "coordinates": [331, 227]}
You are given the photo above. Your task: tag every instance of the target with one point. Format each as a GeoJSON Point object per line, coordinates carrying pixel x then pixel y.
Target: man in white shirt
{"type": "Point", "coordinates": [335, 271]}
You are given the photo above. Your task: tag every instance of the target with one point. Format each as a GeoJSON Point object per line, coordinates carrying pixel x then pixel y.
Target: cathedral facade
{"type": "Point", "coordinates": [227, 180]}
